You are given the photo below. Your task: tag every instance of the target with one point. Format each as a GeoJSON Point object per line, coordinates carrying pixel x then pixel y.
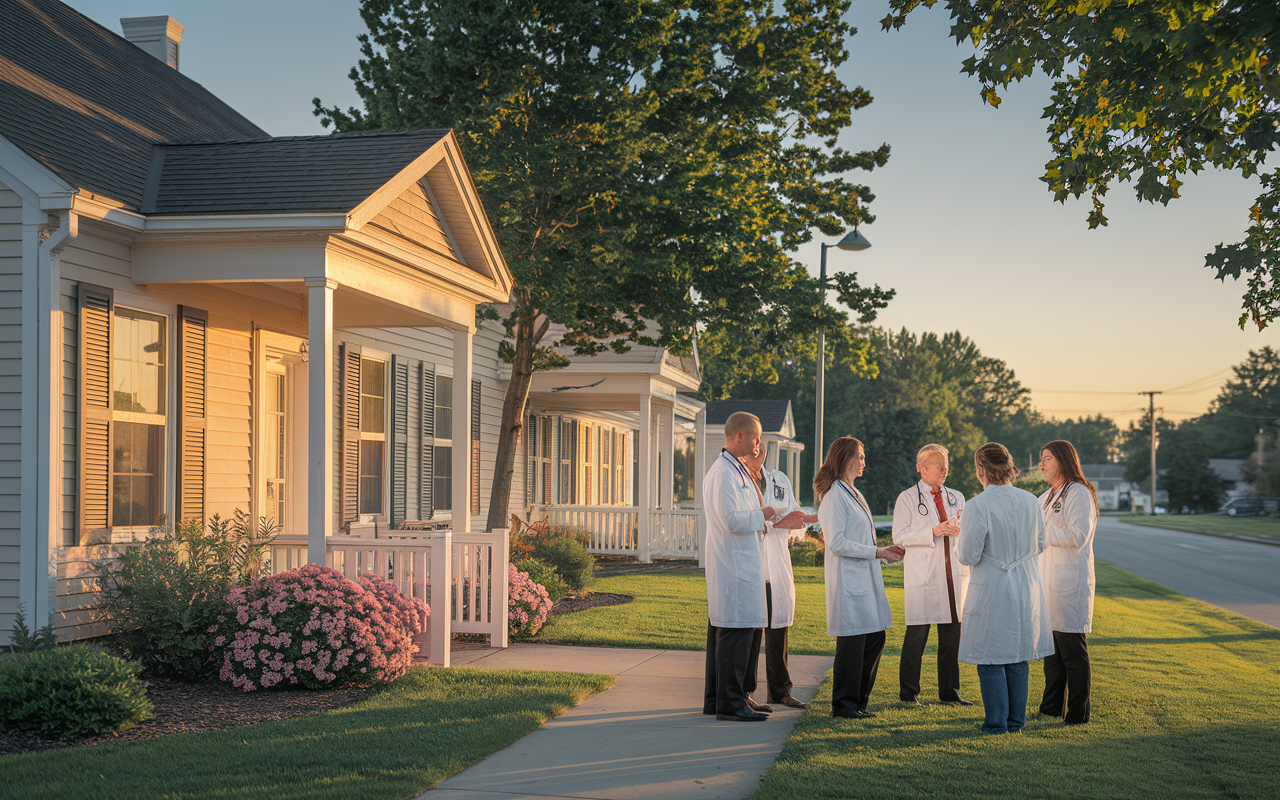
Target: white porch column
{"type": "Point", "coordinates": [461, 514]}
{"type": "Point", "coordinates": [645, 501]}
{"type": "Point", "coordinates": [667, 480]}
{"type": "Point", "coordinates": [699, 472]}
{"type": "Point", "coordinates": [320, 430]}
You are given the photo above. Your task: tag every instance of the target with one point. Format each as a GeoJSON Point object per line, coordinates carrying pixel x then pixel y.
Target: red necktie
{"type": "Point", "coordinates": [946, 553]}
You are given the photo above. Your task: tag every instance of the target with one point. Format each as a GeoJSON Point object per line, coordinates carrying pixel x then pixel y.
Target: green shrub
{"type": "Point", "coordinates": [22, 640]}
{"type": "Point", "coordinates": [545, 576]}
{"type": "Point", "coordinates": [160, 598]}
{"type": "Point", "coordinates": [570, 559]}
{"type": "Point", "coordinates": [71, 692]}
{"type": "Point", "coordinates": [807, 552]}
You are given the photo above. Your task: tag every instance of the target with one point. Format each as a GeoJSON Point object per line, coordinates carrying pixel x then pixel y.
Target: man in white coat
{"type": "Point", "coordinates": [779, 583]}
{"type": "Point", "coordinates": [735, 517]}
{"type": "Point", "coordinates": [926, 521]}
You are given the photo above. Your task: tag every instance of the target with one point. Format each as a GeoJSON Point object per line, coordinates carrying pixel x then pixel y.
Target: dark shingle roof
{"type": "Point", "coordinates": [88, 104]}
{"type": "Point", "coordinates": [772, 413]}
{"type": "Point", "coordinates": [315, 174]}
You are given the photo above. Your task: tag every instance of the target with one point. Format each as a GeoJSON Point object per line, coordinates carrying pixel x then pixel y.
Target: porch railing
{"type": "Point", "coordinates": [615, 530]}
{"type": "Point", "coordinates": [473, 567]}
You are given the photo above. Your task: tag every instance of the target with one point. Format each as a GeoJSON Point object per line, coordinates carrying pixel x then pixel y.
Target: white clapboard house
{"type": "Point", "coordinates": [198, 318]}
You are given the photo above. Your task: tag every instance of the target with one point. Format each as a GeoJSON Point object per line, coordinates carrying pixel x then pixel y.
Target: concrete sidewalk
{"type": "Point", "coordinates": [646, 737]}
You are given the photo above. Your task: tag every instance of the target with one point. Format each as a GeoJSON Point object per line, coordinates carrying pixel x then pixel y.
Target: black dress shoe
{"type": "Point", "coordinates": [759, 708]}
{"type": "Point", "coordinates": [742, 715]}
{"type": "Point", "coordinates": [791, 702]}
{"type": "Point", "coordinates": [957, 701]}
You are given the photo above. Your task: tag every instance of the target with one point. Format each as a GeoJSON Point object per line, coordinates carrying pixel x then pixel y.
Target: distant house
{"type": "Point", "coordinates": [1228, 469]}
{"type": "Point", "coordinates": [779, 437]}
{"type": "Point", "coordinates": [1114, 492]}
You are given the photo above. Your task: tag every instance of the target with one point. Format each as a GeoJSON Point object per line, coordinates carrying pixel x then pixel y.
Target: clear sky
{"type": "Point", "coordinates": [965, 231]}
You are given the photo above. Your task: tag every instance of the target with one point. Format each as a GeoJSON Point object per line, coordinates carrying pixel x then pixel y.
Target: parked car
{"type": "Point", "coordinates": [1251, 507]}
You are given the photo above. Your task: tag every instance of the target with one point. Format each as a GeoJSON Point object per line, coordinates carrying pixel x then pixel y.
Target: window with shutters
{"type": "Point", "coordinates": [542, 434]}
{"type": "Point", "coordinates": [443, 444]}
{"type": "Point", "coordinates": [139, 416]}
{"type": "Point", "coordinates": [373, 435]}
{"type": "Point", "coordinates": [587, 465]}
{"type": "Point", "coordinates": [568, 460]}
{"type": "Point", "coordinates": [620, 468]}
{"type": "Point", "coordinates": [604, 442]}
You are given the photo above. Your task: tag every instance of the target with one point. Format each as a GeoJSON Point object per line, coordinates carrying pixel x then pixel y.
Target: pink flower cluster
{"type": "Point", "coordinates": [527, 605]}
{"type": "Point", "coordinates": [316, 628]}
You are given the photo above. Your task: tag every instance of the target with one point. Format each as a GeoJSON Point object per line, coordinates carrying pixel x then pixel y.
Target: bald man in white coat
{"type": "Point", "coordinates": [735, 517]}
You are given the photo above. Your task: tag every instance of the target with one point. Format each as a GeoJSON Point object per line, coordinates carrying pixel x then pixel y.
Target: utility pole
{"type": "Point", "coordinates": [1152, 397]}
{"type": "Point", "coordinates": [822, 369]}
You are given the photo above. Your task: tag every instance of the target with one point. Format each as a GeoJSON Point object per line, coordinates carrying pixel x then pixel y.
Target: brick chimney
{"type": "Point", "coordinates": [159, 36]}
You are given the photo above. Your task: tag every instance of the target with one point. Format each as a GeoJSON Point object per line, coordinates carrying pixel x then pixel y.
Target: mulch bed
{"type": "Point", "coordinates": [568, 605]}
{"type": "Point", "coordinates": [613, 566]}
{"type": "Point", "coordinates": [193, 707]}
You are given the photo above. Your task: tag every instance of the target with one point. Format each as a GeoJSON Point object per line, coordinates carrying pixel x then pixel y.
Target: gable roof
{"type": "Point", "coordinates": [772, 413]}
{"type": "Point", "coordinates": [88, 104]}
{"type": "Point", "coordinates": [293, 174]}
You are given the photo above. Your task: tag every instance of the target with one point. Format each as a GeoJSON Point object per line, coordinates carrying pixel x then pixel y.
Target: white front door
{"type": "Point", "coordinates": [281, 432]}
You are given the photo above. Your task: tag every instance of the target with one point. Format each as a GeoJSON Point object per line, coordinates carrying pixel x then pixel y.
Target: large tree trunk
{"type": "Point", "coordinates": [512, 421]}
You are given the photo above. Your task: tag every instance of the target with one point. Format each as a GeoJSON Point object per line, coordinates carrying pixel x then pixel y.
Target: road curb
{"type": "Point", "coordinates": [1218, 534]}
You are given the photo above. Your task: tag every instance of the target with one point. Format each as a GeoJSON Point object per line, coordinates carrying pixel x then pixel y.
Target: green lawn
{"type": "Point", "coordinates": [397, 743]}
{"type": "Point", "coordinates": [1186, 702]}
{"type": "Point", "coordinates": [1213, 523]}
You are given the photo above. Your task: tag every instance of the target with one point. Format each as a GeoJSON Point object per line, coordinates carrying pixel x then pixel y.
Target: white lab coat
{"type": "Point", "coordinates": [735, 570]}
{"type": "Point", "coordinates": [777, 552]}
{"type": "Point", "coordinates": [1066, 565]}
{"type": "Point", "coordinates": [1006, 619]}
{"type": "Point", "coordinates": [924, 567]}
{"type": "Point", "coordinates": [856, 602]}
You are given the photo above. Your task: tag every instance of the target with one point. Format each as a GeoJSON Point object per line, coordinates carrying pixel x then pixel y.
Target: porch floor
{"type": "Point", "coordinates": [646, 737]}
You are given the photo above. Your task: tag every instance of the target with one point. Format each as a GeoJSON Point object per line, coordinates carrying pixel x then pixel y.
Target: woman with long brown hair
{"type": "Point", "coordinates": [1005, 622]}
{"type": "Point", "coordinates": [857, 609]}
{"type": "Point", "coordinates": [1070, 508]}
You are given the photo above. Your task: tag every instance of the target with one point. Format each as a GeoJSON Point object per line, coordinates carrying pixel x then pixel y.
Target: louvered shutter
{"type": "Point", "coordinates": [399, 439]}
{"type": "Point", "coordinates": [193, 340]}
{"type": "Point", "coordinates": [475, 448]}
{"type": "Point", "coordinates": [531, 466]}
{"type": "Point", "coordinates": [426, 454]}
{"type": "Point", "coordinates": [96, 306]}
{"type": "Point", "coordinates": [350, 433]}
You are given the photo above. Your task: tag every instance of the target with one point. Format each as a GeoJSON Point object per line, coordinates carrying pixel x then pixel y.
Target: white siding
{"type": "Point", "coordinates": [10, 403]}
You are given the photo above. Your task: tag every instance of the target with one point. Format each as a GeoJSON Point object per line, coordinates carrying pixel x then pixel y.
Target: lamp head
{"type": "Point", "coordinates": [853, 241]}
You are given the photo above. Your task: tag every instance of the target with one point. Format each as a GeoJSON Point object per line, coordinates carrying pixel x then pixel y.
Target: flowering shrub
{"type": "Point", "coordinates": [528, 604]}
{"type": "Point", "coordinates": [313, 627]}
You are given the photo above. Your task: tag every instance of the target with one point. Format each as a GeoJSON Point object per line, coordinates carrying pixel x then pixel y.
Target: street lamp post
{"type": "Point", "coordinates": [852, 241]}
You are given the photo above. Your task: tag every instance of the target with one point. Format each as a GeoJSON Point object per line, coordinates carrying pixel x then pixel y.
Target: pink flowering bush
{"type": "Point", "coordinates": [315, 628]}
{"type": "Point", "coordinates": [528, 604]}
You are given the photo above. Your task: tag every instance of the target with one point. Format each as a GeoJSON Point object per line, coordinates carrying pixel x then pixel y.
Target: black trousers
{"type": "Point", "coordinates": [948, 661]}
{"type": "Point", "coordinates": [776, 674]}
{"type": "Point", "coordinates": [1066, 673]}
{"type": "Point", "coordinates": [728, 652]}
{"type": "Point", "coordinates": [854, 672]}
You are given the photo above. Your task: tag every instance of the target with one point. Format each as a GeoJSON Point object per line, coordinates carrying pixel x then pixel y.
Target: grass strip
{"type": "Point", "coordinates": [1185, 702]}
{"type": "Point", "coordinates": [397, 743]}
{"type": "Point", "coordinates": [1261, 527]}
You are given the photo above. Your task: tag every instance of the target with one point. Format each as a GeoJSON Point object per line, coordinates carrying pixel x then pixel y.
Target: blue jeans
{"type": "Point", "coordinates": [1004, 696]}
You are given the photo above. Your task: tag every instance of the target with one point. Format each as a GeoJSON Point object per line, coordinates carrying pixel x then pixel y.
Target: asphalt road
{"type": "Point", "coordinates": [1243, 577]}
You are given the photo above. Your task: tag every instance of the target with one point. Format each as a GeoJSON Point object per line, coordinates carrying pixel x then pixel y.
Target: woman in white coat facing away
{"type": "Point", "coordinates": [1070, 508]}
{"type": "Point", "coordinates": [1006, 620]}
{"type": "Point", "coordinates": [857, 609]}
{"type": "Point", "coordinates": [926, 521]}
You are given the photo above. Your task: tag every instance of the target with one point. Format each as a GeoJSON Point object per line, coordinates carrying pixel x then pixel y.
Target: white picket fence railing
{"type": "Point", "coordinates": [615, 530]}
{"type": "Point", "coordinates": [473, 567]}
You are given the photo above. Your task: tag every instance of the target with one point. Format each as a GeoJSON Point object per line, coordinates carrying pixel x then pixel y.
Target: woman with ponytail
{"type": "Point", "coordinates": [1070, 509]}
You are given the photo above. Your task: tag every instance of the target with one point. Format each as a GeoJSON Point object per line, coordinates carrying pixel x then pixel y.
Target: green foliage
{"type": "Point", "coordinates": [71, 692]}
{"type": "Point", "coordinates": [806, 552]}
{"type": "Point", "coordinates": [648, 166]}
{"type": "Point", "coordinates": [159, 598]}
{"type": "Point", "coordinates": [1032, 481]}
{"type": "Point", "coordinates": [575, 566]}
{"type": "Point", "coordinates": [1249, 400]}
{"type": "Point", "coordinates": [544, 575]}
{"type": "Point", "coordinates": [1145, 91]}
{"type": "Point", "coordinates": [22, 640]}
{"type": "Point", "coordinates": [1183, 461]}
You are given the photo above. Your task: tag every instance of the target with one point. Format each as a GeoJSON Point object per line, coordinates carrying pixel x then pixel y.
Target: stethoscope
{"type": "Point", "coordinates": [1058, 498]}
{"type": "Point", "coordinates": [859, 504]}
{"type": "Point", "coordinates": [737, 465]}
{"type": "Point", "coordinates": [924, 509]}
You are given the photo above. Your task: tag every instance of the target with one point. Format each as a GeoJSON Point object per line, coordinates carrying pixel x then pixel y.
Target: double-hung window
{"type": "Point", "coordinates": [443, 454]}
{"type": "Point", "coordinates": [373, 434]}
{"type": "Point", "coordinates": [139, 389]}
